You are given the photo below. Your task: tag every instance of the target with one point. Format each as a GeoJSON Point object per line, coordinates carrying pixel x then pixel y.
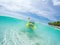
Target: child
{"type": "Point", "coordinates": [30, 24]}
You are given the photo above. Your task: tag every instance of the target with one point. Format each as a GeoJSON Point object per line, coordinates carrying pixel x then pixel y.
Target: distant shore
{"type": "Point", "coordinates": [57, 27]}
{"type": "Point", "coordinates": [55, 24]}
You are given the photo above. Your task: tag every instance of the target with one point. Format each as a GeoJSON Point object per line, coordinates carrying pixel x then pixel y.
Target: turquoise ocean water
{"type": "Point", "coordinates": [14, 32]}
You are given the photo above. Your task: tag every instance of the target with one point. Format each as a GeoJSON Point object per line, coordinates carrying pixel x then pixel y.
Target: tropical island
{"type": "Point", "coordinates": [55, 24]}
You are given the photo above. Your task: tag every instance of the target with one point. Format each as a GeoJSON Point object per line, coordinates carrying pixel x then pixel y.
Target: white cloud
{"type": "Point", "coordinates": [56, 2]}
{"type": "Point", "coordinates": [43, 9]}
{"type": "Point", "coordinates": [39, 7]}
{"type": "Point", "coordinates": [16, 5]}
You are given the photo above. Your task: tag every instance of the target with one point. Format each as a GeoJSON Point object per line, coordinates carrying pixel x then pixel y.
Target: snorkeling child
{"type": "Point", "coordinates": [30, 24]}
{"type": "Point", "coordinates": [30, 28]}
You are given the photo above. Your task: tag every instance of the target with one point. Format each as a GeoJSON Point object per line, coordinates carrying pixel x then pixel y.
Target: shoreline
{"type": "Point", "coordinates": [58, 27]}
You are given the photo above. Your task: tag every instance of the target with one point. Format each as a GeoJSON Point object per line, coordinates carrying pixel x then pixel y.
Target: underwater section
{"type": "Point", "coordinates": [15, 32]}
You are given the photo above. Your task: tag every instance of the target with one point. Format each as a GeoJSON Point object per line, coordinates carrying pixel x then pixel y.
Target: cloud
{"type": "Point", "coordinates": [42, 8]}
{"type": "Point", "coordinates": [56, 2]}
{"type": "Point", "coordinates": [39, 7]}
{"type": "Point", "coordinates": [14, 5]}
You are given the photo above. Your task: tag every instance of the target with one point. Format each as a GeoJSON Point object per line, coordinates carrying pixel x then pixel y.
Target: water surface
{"type": "Point", "coordinates": [14, 32]}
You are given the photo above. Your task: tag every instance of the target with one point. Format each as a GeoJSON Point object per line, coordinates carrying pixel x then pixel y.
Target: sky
{"type": "Point", "coordinates": [41, 10]}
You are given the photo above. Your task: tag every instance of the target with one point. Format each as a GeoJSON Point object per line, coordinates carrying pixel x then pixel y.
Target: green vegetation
{"type": "Point", "coordinates": [57, 23]}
